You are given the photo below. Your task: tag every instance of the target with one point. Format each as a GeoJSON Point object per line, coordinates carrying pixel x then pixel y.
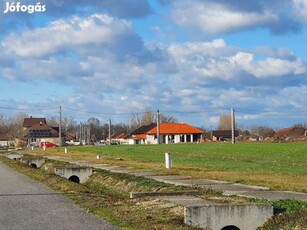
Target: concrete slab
{"type": "Point", "coordinates": [232, 189]}
{"type": "Point", "coordinates": [275, 195]}
{"type": "Point", "coordinates": [144, 173]}
{"type": "Point", "coordinates": [167, 178]}
{"type": "Point", "coordinates": [134, 195]}
{"type": "Point", "coordinates": [185, 200]}
{"type": "Point", "coordinates": [105, 167]}
{"type": "Point", "coordinates": [193, 182]}
{"type": "Point", "coordinates": [126, 170]}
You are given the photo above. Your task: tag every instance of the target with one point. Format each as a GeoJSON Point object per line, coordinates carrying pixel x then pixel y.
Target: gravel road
{"type": "Point", "coordinates": [28, 205]}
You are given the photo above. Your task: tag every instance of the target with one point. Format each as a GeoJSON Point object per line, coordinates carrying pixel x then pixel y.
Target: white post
{"type": "Point", "coordinates": [168, 160]}
{"type": "Point", "coordinates": [65, 150]}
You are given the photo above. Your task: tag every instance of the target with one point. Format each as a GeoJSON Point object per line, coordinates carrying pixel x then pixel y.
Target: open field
{"type": "Point", "coordinates": [277, 165]}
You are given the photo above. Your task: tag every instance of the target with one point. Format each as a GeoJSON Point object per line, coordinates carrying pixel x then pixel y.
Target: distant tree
{"type": "Point", "coordinates": [14, 125]}
{"type": "Point", "coordinates": [3, 128]}
{"type": "Point", "coordinates": [261, 131]}
{"type": "Point", "coordinates": [138, 119]}
{"type": "Point", "coordinates": [244, 135]}
{"type": "Point", "coordinates": [95, 128]}
{"type": "Point", "coordinates": [224, 122]}
{"type": "Point", "coordinates": [52, 121]}
{"type": "Point", "coordinates": [69, 125]}
{"type": "Point", "coordinates": [120, 128]}
{"type": "Point", "coordinates": [297, 130]}
{"type": "Point", "coordinates": [167, 119]}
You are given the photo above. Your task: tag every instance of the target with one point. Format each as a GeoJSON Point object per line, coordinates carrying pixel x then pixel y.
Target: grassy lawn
{"type": "Point", "coordinates": [276, 165]}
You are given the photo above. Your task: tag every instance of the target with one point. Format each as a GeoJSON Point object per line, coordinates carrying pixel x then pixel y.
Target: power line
{"type": "Point", "coordinates": [28, 109]}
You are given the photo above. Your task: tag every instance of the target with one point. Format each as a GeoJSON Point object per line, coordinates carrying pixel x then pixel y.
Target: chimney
{"type": "Point", "coordinates": [40, 123]}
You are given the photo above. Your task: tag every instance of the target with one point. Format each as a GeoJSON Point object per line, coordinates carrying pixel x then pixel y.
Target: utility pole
{"type": "Point", "coordinates": [60, 127]}
{"type": "Point", "coordinates": [233, 126]}
{"type": "Point", "coordinates": [80, 134]}
{"type": "Point", "coordinates": [88, 135]}
{"type": "Point", "coordinates": [158, 126]}
{"type": "Point", "coordinates": [110, 132]}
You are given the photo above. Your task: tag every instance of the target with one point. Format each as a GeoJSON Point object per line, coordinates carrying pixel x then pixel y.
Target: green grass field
{"type": "Point", "coordinates": [277, 165]}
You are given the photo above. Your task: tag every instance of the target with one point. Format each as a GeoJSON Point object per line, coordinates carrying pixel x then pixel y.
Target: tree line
{"type": "Point", "coordinates": [12, 126]}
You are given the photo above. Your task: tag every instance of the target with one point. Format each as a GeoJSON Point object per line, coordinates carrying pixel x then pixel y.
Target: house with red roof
{"type": "Point", "coordinates": [174, 133]}
{"type": "Point", "coordinates": [139, 136]}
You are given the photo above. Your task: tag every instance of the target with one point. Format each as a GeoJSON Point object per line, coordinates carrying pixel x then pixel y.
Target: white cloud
{"type": "Point", "coordinates": [269, 67]}
{"type": "Point", "coordinates": [216, 60]}
{"type": "Point", "coordinates": [215, 18]}
{"type": "Point", "coordinates": [300, 7]}
{"type": "Point", "coordinates": [64, 34]}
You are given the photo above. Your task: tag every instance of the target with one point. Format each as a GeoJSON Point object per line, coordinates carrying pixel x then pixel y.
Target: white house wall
{"type": "Point", "coordinates": [169, 139]}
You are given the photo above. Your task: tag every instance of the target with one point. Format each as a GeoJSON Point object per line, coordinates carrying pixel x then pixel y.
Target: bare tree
{"type": "Point", "coordinates": [14, 126]}
{"type": "Point", "coordinates": [69, 125]}
{"type": "Point", "coordinates": [297, 130]}
{"type": "Point", "coordinates": [53, 121]}
{"type": "Point", "coordinates": [261, 131]}
{"type": "Point", "coordinates": [3, 128]}
{"type": "Point", "coordinates": [167, 119]}
{"type": "Point", "coordinates": [224, 122]}
{"type": "Point", "coordinates": [139, 119]}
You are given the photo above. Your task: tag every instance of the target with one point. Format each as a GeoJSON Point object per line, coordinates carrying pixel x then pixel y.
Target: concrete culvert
{"type": "Point", "coordinates": [230, 227]}
{"type": "Point", "coordinates": [74, 179]}
{"type": "Point", "coordinates": [33, 165]}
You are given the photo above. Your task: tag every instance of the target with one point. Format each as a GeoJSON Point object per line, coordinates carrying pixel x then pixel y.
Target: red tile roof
{"type": "Point", "coordinates": [28, 122]}
{"type": "Point", "coordinates": [282, 132]}
{"type": "Point", "coordinates": [118, 135]}
{"type": "Point", "coordinates": [139, 137]}
{"type": "Point", "coordinates": [175, 128]}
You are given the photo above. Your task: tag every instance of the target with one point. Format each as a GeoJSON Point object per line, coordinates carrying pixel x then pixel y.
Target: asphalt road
{"type": "Point", "coordinates": [28, 205]}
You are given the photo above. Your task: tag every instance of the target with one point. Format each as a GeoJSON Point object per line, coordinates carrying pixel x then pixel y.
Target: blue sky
{"type": "Point", "coordinates": [192, 59]}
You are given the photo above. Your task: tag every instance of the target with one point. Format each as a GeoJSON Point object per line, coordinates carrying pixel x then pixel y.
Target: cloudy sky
{"type": "Point", "coordinates": [192, 59]}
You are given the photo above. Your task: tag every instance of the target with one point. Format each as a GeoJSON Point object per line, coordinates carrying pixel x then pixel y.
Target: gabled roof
{"type": "Point", "coordinates": [28, 122]}
{"type": "Point", "coordinates": [69, 136]}
{"type": "Point", "coordinates": [144, 129]}
{"type": "Point", "coordinates": [175, 128]}
{"type": "Point", "coordinates": [224, 133]}
{"type": "Point", "coordinates": [118, 135]}
{"type": "Point", "coordinates": [41, 130]}
{"type": "Point", "coordinates": [139, 137]}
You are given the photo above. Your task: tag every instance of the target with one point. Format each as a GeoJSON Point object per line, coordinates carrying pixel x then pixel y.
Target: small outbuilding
{"type": "Point", "coordinates": [223, 135]}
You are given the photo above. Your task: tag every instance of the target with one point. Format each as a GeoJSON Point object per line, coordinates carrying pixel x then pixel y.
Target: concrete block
{"type": "Point", "coordinates": [216, 216]}
{"type": "Point", "coordinates": [14, 156]}
{"type": "Point", "coordinates": [78, 174]}
{"type": "Point", "coordinates": [35, 162]}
